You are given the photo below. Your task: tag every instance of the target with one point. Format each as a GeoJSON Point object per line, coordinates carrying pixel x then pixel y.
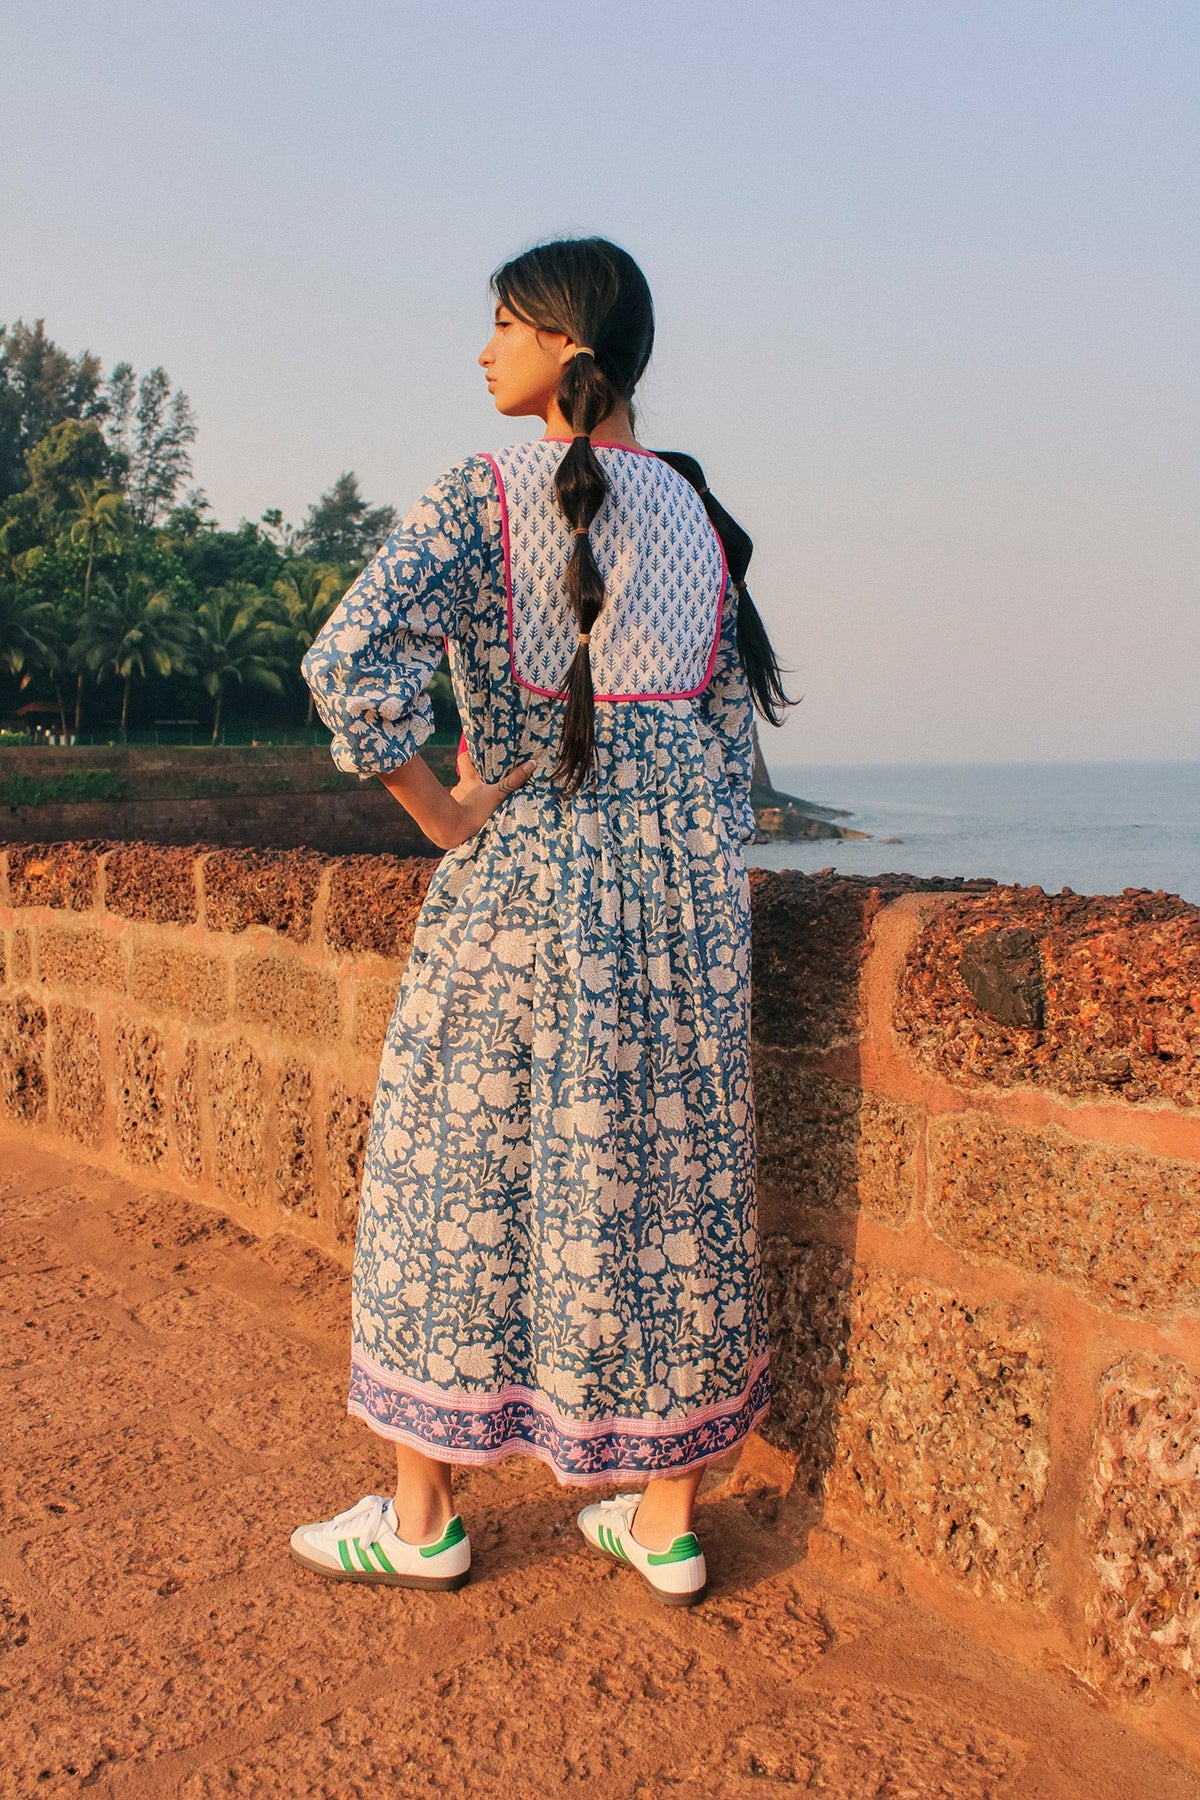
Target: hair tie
{"type": "Point", "coordinates": [584, 350]}
{"type": "Point", "coordinates": [703, 490]}
{"type": "Point", "coordinates": [579, 531]}
{"type": "Point", "coordinates": [584, 636]}
{"type": "Point", "coordinates": [581, 437]}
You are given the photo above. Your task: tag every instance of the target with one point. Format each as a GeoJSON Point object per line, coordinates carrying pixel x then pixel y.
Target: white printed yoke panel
{"type": "Point", "coordinates": [663, 567]}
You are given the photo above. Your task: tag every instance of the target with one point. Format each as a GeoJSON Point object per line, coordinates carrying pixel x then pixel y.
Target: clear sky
{"type": "Point", "coordinates": [926, 277]}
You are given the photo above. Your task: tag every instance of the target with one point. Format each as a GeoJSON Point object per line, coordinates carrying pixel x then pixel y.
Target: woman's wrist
{"type": "Point", "coordinates": [446, 820]}
{"type": "Point", "coordinates": [423, 796]}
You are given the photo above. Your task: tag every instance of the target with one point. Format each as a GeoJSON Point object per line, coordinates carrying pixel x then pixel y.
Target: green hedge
{"type": "Point", "coordinates": [88, 784]}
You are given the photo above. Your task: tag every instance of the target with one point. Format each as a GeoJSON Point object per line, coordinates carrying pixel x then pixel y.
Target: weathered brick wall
{"type": "Point", "coordinates": [211, 1019]}
{"type": "Point", "coordinates": [979, 1123]}
{"type": "Point", "coordinates": [979, 1134]}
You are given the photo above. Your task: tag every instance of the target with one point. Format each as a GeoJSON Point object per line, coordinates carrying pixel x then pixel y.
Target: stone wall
{"type": "Point", "coordinates": [979, 1123]}
{"type": "Point", "coordinates": [261, 797]}
{"type": "Point", "coordinates": [979, 1139]}
{"type": "Point", "coordinates": [213, 1019]}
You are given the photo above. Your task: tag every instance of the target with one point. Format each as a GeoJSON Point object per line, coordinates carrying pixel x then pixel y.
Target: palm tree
{"type": "Point", "coordinates": [238, 641]}
{"type": "Point", "coordinates": [29, 639]}
{"type": "Point", "coordinates": [136, 629]}
{"type": "Point", "coordinates": [23, 626]}
{"type": "Point", "coordinates": [56, 626]}
{"type": "Point", "coordinates": [308, 593]}
{"type": "Point", "coordinates": [99, 521]}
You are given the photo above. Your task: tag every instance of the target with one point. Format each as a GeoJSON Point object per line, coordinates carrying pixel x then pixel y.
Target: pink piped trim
{"type": "Point", "coordinates": [556, 693]}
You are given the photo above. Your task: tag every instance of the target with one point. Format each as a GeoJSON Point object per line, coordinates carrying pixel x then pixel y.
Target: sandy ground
{"type": "Point", "coordinates": [176, 1405]}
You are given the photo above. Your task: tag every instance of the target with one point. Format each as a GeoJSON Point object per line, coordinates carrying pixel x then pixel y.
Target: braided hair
{"type": "Point", "coordinates": [595, 293]}
{"type": "Point", "coordinates": [764, 677]}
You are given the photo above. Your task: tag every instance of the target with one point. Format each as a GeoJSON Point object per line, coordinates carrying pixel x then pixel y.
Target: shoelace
{"type": "Point", "coordinates": [624, 1506]}
{"type": "Point", "coordinates": [363, 1520]}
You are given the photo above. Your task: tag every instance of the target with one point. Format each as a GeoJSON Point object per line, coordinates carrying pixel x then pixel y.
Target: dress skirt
{"type": "Point", "coordinates": [557, 1248]}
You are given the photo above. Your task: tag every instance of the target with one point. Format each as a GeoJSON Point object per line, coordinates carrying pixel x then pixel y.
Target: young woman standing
{"type": "Point", "coordinates": [557, 1251]}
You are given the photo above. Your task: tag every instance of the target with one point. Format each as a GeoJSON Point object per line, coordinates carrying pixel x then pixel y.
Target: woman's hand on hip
{"type": "Point", "coordinates": [449, 816]}
{"type": "Point", "coordinates": [478, 799]}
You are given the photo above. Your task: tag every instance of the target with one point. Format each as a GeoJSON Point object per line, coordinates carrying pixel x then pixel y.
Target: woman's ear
{"type": "Point", "coordinates": [554, 343]}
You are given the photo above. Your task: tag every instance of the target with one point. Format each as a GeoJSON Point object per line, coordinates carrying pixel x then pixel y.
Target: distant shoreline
{"type": "Point", "coordinates": [1096, 827]}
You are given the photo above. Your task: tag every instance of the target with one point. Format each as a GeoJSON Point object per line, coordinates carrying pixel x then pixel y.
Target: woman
{"type": "Point", "coordinates": [557, 1251]}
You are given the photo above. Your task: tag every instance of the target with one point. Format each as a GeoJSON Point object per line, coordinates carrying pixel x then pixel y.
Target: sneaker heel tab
{"type": "Point", "coordinates": [683, 1548]}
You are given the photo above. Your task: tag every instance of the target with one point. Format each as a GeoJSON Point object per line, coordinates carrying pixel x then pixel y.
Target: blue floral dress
{"type": "Point", "coordinates": [557, 1251]}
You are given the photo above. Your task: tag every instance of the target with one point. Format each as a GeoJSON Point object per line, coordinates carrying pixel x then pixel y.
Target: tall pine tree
{"type": "Point", "coordinates": [342, 527]}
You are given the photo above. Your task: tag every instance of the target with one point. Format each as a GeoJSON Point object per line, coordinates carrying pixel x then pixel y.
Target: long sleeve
{"type": "Point", "coordinates": [370, 667]}
{"type": "Point", "coordinates": [726, 708]}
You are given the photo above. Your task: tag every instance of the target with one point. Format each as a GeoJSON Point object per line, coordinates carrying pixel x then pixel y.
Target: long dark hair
{"type": "Point", "coordinates": [764, 677]}
{"type": "Point", "coordinates": [594, 292]}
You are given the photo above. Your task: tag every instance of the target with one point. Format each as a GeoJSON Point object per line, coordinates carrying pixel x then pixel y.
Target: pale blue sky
{"type": "Point", "coordinates": [926, 277]}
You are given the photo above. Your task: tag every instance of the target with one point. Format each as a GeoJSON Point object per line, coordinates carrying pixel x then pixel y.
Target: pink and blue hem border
{"type": "Point", "coordinates": [477, 1429]}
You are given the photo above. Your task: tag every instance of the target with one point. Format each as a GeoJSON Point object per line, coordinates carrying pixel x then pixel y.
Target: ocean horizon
{"type": "Point", "coordinates": [1096, 827]}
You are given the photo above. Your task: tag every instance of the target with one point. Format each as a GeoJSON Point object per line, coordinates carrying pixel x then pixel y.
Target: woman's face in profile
{"type": "Point", "coordinates": [523, 365]}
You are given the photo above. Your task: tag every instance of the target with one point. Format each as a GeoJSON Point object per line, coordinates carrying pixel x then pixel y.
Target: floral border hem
{"type": "Point", "coordinates": [522, 1423]}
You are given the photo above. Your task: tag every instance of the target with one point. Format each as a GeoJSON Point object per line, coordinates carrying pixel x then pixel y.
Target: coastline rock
{"type": "Point", "coordinates": [786, 818]}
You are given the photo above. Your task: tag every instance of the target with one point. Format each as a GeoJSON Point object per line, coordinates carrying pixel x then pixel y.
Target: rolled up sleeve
{"type": "Point", "coordinates": [370, 667]}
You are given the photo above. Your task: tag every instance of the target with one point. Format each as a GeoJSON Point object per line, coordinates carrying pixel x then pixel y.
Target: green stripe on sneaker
{"type": "Point", "coordinates": [454, 1533]}
{"type": "Point", "coordinates": [344, 1553]}
{"type": "Point", "coordinates": [611, 1542]}
{"type": "Point", "coordinates": [683, 1547]}
{"type": "Point", "coordinates": [363, 1558]}
{"type": "Point", "coordinates": [381, 1559]}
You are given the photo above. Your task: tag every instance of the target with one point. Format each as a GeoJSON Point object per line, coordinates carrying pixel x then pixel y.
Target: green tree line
{"type": "Point", "coordinates": [123, 604]}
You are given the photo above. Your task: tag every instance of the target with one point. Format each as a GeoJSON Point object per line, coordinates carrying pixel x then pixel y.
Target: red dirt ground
{"type": "Point", "coordinates": [176, 1405]}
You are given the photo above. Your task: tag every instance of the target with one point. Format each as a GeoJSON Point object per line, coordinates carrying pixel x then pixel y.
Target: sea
{"type": "Point", "coordinates": [1094, 827]}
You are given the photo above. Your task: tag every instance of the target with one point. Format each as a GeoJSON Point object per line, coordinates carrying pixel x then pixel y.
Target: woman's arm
{"type": "Point", "coordinates": [449, 817]}
{"type": "Point", "coordinates": [371, 665]}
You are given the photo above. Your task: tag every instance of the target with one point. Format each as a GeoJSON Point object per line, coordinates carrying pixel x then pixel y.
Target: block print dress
{"type": "Point", "coordinates": [557, 1250]}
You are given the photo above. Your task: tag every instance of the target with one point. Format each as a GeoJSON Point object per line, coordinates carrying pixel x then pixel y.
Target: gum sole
{"type": "Point", "coordinates": [663, 1599]}
{"type": "Point", "coordinates": [442, 1583]}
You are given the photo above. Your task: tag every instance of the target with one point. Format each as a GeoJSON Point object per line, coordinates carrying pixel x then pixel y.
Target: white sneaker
{"type": "Point", "coordinates": [676, 1576]}
{"type": "Point", "coordinates": [362, 1544]}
